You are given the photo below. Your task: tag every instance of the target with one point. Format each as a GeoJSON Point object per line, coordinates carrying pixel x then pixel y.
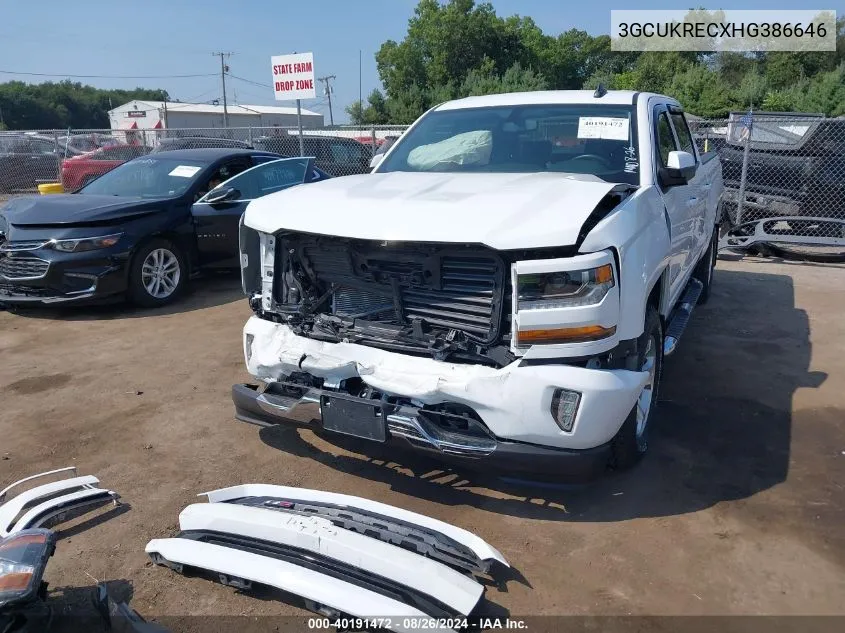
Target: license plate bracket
{"type": "Point", "coordinates": [353, 417]}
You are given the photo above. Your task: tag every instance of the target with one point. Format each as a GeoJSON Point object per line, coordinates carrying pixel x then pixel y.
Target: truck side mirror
{"type": "Point", "coordinates": [375, 160]}
{"type": "Point", "coordinates": [680, 169]}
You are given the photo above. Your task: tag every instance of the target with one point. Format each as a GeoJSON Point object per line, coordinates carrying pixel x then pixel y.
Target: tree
{"type": "Point", "coordinates": [59, 105]}
{"type": "Point", "coordinates": [455, 48]}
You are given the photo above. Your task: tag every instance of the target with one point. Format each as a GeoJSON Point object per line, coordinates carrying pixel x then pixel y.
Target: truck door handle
{"type": "Point", "coordinates": [691, 202]}
{"type": "Point", "coordinates": [706, 186]}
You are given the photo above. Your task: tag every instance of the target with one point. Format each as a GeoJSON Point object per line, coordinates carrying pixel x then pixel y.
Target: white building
{"type": "Point", "coordinates": [158, 115]}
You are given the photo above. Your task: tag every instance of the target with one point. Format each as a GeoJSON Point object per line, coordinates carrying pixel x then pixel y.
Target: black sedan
{"type": "Point", "coordinates": [139, 231]}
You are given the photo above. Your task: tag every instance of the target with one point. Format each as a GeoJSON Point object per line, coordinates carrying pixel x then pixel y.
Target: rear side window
{"type": "Point", "coordinates": [682, 130]}
{"type": "Point", "coordinates": [665, 140]}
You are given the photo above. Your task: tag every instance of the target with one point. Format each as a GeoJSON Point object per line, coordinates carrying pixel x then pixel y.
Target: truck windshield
{"type": "Point", "coordinates": [573, 138]}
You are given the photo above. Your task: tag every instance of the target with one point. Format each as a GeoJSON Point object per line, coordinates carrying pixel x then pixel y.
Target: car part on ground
{"type": "Point", "coordinates": [343, 555]}
{"type": "Point", "coordinates": [23, 558]}
{"type": "Point", "coordinates": [51, 502]}
{"type": "Point", "coordinates": [119, 617]}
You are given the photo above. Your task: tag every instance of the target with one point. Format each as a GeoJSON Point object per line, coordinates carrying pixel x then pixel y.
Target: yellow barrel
{"type": "Point", "coordinates": [50, 187]}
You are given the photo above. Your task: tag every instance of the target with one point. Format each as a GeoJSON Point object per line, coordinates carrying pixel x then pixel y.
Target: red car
{"type": "Point", "coordinates": [78, 171]}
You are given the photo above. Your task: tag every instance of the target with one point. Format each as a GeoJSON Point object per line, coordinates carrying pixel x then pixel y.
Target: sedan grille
{"type": "Point", "coordinates": [29, 245]}
{"type": "Point", "coordinates": [17, 268]}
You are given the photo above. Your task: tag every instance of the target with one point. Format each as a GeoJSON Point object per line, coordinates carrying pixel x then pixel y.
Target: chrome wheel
{"type": "Point", "coordinates": [645, 400]}
{"type": "Point", "coordinates": [160, 273]}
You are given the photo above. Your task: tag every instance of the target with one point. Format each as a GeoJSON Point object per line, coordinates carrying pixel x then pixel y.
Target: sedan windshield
{"type": "Point", "coordinates": [576, 139]}
{"type": "Point", "coordinates": [147, 177]}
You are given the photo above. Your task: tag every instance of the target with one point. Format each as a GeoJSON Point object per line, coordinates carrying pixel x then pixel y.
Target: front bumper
{"type": "Point", "coordinates": [506, 458]}
{"type": "Point", "coordinates": [63, 277]}
{"type": "Point", "coordinates": [513, 402]}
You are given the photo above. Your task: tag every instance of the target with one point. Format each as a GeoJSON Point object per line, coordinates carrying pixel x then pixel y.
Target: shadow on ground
{"type": "Point", "coordinates": [208, 291]}
{"type": "Point", "coordinates": [723, 432]}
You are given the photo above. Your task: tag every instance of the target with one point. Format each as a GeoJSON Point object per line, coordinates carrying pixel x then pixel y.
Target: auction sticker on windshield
{"type": "Point", "coordinates": [186, 171]}
{"type": "Point", "coordinates": [611, 128]}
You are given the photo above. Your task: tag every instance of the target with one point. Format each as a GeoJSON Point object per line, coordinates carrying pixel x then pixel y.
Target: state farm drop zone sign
{"type": "Point", "coordinates": [293, 76]}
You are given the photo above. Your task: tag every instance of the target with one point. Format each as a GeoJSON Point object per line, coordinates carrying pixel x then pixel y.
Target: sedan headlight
{"type": "Point", "coordinates": [86, 243]}
{"type": "Point", "coordinates": [568, 289]}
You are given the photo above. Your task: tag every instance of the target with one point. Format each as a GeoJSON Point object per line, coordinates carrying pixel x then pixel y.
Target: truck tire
{"type": "Point", "coordinates": [704, 269]}
{"type": "Point", "coordinates": [157, 274]}
{"type": "Point", "coordinates": [631, 442]}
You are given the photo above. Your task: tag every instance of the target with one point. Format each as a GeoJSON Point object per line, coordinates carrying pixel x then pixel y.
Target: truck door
{"type": "Point", "coordinates": [680, 201]}
{"type": "Point", "coordinates": [700, 186]}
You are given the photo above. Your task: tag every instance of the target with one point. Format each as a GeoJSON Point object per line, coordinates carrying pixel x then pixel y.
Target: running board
{"type": "Point", "coordinates": [55, 500]}
{"type": "Point", "coordinates": [681, 315]}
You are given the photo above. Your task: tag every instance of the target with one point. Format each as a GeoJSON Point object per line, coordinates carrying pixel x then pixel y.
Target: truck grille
{"type": "Point", "coordinates": [450, 287]}
{"type": "Point", "coordinates": [22, 267]}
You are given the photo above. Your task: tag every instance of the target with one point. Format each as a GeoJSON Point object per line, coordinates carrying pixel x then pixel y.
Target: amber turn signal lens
{"type": "Point", "coordinates": [604, 274]}
{"type": "Point", "coordinates": [15, 582]}
{"type": "Point", "coordinates": [564, 335]}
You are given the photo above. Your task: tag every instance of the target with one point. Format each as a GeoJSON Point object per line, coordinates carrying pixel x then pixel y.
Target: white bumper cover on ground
{"type": "Point", "coordinates": [514, 402]}
{"type": "Point", "coordinates": [313, 544]}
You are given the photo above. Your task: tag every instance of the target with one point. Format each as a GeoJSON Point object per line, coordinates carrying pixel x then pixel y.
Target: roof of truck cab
{"type": "Point", "coordinates": [546, 97]}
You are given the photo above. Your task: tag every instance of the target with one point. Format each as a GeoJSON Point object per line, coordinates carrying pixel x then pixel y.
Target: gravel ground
{"type": "Point", "coordinates": [738, 509]}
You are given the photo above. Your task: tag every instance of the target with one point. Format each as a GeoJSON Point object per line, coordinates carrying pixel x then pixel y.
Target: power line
{"type": "Point", "coordinates": [250, 81]}
{"type": "Point", "coordinates": [14, 72]}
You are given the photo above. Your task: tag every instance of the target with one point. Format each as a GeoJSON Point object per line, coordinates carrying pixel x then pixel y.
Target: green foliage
{"type": "Point", "coordinates": [456, 48]}
{"type": "Point", "coordinates": [59, 105]}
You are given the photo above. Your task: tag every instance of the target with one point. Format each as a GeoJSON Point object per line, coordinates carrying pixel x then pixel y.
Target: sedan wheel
{"type": "Point", "coordinates": [160, 273]}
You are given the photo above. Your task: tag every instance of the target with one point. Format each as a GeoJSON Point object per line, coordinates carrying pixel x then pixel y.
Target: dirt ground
{"type": "Point", "coordinates": [738, 508]}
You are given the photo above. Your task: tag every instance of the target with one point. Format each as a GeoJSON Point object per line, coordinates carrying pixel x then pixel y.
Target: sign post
{"type": "Point", "coordinates": [293, 79]}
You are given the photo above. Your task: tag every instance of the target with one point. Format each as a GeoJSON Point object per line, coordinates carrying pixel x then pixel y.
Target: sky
{"type": "Point", "coordinates": [178, 37]}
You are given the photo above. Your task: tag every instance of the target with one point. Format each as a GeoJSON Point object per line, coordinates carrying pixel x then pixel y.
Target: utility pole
{"type": "Point", "coordinates": [326, 81]}
{"type": "Point", "coordinates": [223, 70]}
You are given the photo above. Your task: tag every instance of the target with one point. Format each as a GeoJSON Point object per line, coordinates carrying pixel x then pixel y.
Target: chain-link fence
{"type": "Point", "coordinates": [784, 179]}
{"type": "Point", "coordinates": [75, 157]}
{"type": "Point", "coordinates": [784, 174]}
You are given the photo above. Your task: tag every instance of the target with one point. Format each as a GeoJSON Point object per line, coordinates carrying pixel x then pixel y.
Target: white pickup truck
{"type": "Point", "coordinates": [500, 291]}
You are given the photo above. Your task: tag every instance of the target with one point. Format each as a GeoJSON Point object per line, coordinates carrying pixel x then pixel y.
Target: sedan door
{"type": "Point", "coordinates": [217, 214]}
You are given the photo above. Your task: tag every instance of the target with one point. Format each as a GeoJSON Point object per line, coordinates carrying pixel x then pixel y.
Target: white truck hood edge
{"type": "Point", "coordinates": [501, 210]}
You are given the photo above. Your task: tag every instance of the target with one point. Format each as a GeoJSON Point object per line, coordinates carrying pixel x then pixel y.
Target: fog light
{"type": "Point", "coordinates": [565, 407]}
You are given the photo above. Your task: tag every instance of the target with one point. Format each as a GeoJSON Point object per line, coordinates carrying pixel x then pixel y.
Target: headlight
{"type": "Point", "coordinates": [568, 289]}
{"type": "Point", "coordinates": [23, 557]}
{"type": "Point", "coordinates": [86, 243]}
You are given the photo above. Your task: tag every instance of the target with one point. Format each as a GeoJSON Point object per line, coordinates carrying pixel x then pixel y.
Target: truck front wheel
{"type": "Point", "coordinates": [631, 442]}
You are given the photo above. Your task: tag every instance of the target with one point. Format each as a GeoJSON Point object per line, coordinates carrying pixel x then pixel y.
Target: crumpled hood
{"type": "Point", "coordinates": [501, 210]}
{"type": "Point", "coordinates": [68, 209]}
